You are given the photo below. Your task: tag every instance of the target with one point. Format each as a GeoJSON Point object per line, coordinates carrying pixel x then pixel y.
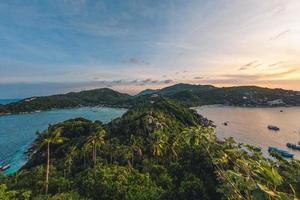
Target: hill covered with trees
{"type": "Point", "coordinates": [190, 95]}
{"type": "Point", "coordinates": [97, 97]}
{"type": "Point", "coordinates": [249, 96]}
{"type": "Point", "coordinates": [159, 149]}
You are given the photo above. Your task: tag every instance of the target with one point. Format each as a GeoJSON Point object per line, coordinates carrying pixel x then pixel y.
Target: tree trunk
{"type": "Point", "coordinates": [84, 161]}
{"type": "Point", "coordinates": [111, 157]}
{"type": "Point", "coordinates": [95, 158]}
{"type": "Point", "coordinates": [132, 159]}
{"type": "Point", "coordinates": [47, 169]}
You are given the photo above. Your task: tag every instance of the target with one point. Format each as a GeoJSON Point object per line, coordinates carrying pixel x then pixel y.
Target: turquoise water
{"type": "Point", "coordinates": [17, 132]}
{"type": "Point", "coordinates": [7, 101]}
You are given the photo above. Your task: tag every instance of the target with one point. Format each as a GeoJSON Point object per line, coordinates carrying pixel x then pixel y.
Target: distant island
{"type": "Point", "coordinates": [187, 94]}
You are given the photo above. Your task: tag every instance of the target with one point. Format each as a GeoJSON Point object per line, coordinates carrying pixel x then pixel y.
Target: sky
{"type": "Point", "coordinates": [49, 47]}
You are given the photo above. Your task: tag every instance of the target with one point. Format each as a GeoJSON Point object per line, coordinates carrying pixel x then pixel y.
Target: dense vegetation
{"type": "Point", "coordinates": [157, 150]}
{"type": "Point", "coordinates": [97, 97]}
{"type": "Point", "coordinates": [190, 95]}
{"type": "Point", "coordinates": [195, 95]}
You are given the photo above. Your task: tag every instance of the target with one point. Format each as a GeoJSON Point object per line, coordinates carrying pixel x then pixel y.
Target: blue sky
{"type": "Point", "coordinates": [58, 46]}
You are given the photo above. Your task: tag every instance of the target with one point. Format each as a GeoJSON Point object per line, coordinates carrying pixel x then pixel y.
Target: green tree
{"type": "Point", "coordinates": [73, 152]}
{"type": "Point", "coordinates": [51, 137]}
{"type": "Point", "coordinates": [96, 140]}
{"type": "Point", "coordinates": [5, 194]}
{"type": "Point", "coordinates": [158, 143]}
{"type": "Point", "coordinates": [136, 148]}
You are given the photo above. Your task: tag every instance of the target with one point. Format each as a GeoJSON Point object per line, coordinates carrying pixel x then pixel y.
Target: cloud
{"type": "Point", "coordinates": [242, 77]}
{"type": "Point", "coordinates": [279, 35]}
{"type": "Point", "coordinates": [135, 61]}
{"type": "Point", "coordinates": [282, 74]}
{"type": "Point", "coordinates": [148, 80]}
{"type": "Point", "coordinates": [250, 64]}
{"type": "Point", "coordinates": [198, 77]}
{"type": "Point", "coordinates": [275, 64]}
{"type": "Point", "coordinates": [21, 90]}
{"type": "Point", "coordinates": [167, 81]}
{"type": "Point", "coordinates": [280, 10]}
{"type": "Point", "coordinates": [117, 81]}
{"type": "Point", "coordinates": [251, 78]}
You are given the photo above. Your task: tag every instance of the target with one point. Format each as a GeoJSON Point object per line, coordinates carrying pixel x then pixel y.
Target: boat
{"type": "Point", "coordinates": [225, 123]}
{"type": "Point", "coordinates": [4, 167]}
{"type": "Point", "coordinates": [281, 152]}
{"type": "Point", "coordinates": [274, 128]}
{"type": "Point", "coordinates": [293, 146]}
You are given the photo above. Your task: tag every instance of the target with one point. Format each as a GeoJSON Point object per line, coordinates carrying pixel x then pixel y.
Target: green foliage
{"type": "Point", "coordinates": [116, 182]}
{"type": "Point", "coordinates": [97, 97]}
{"type": "Point", "coordinates": [157, 150]}
{"type": "Point", "coordinates": [6, 195]}
{"type": "Point", "coordinates": [13, 194]}
{"type": "Point", "coordinates": [190, 95]}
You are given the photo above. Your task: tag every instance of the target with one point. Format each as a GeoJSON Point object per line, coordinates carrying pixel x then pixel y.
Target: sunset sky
{"type": "Point", "coordinates": [131, 45]}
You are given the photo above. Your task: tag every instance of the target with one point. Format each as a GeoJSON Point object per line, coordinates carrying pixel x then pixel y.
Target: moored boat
{"type": "Point", "coordinates": [274, 128]}
{"type": "Point", "coordinates": [4, 167]}
{"type": "Point", "coordinates": [281, 152]}
{"type": "Point", "coordinates": [293, 146]}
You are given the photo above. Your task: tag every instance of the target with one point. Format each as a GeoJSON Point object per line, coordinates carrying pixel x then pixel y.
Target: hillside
{"type": "Point", "coordinates": [97, 97]}
{"type": "Point", "coordinates": [147, 92]}
{"type": "Point", "coordinates": [190, 95]}
{"type": "Point", "coordinates": [157, 150]}
{"type": "Point", "coordinates": [250, 96]}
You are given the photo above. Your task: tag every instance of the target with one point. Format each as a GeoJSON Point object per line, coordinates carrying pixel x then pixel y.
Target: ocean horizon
{"type": "Point", "coordinates": [9, 100]}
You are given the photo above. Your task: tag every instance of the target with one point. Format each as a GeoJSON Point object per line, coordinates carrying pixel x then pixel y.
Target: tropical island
{"type": "Point", "coordinates": [158, 149]}
{"type": "Point", "coordinates": [149, 100]}
{"type": "Point", "coordinates": [187, 94]}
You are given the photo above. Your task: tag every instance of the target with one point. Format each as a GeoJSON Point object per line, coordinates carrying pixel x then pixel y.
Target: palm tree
{"type": "Point", "coordinates": [96, 140]}
{"type": "Point", "coordinates": [158, 148]}
{"type": "Point", "coordinates": [158, 144]}
{"type": "Point", "coordinates": [51, 137]}
{"type": "Point", "coordinates": [172, 146]}
{"type": "Point", "coordinates": [73, 152]}
{"type": "Point", "coordinates": [85, 149]}
{"type": "Point", "coordinates": [135, 148]}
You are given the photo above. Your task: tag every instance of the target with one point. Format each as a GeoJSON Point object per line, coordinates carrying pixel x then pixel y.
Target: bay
{"type": "Point", "coordinates": [17, 132]}
{"type": "Point", "coordinates": [250, 125]}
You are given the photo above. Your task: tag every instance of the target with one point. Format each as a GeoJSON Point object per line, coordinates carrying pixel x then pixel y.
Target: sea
{"type": "Point", "coordinates": [245, 125]}
{"type": "Point", "coordinates": [7, 101]}
{"type": "Point", "coordinates": [250, 125]}
{"type": "Point", "coordinates": [17, 132]}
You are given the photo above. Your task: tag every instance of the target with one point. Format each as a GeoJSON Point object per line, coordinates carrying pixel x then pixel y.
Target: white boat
{"type": "Point", "coordinates": [4, 167]}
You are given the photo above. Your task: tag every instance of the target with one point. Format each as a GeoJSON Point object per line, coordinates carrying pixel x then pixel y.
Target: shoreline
{"type": "Point", "coordinates": [18, 155]}
{"type": "Point", "coordinates": [123, 107]}
{"type": "Point", "coordinates": [64, 108]}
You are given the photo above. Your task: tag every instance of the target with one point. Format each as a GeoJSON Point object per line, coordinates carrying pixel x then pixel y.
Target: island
{"type": "Point", "coordinates": [159, 149]}
{"type": "Point", "coordinates": [187, 94]}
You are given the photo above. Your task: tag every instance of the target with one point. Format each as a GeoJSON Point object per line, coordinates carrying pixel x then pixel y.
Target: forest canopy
{"type": "Point", "coordinates": [157, 150]}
